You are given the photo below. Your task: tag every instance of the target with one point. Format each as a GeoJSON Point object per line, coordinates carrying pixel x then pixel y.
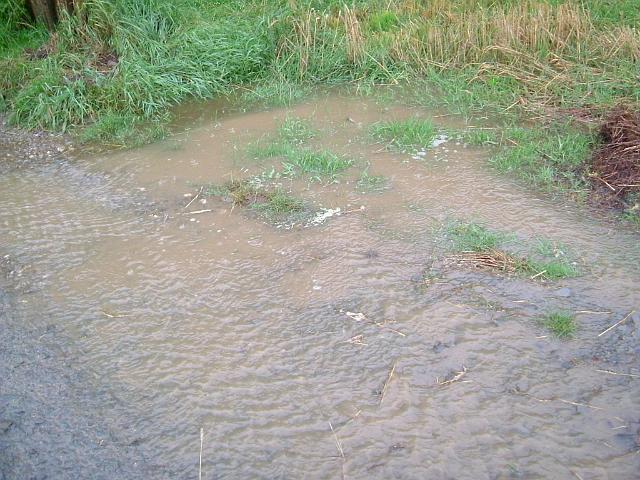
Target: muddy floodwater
{"type": "Point", "coordinates": [152, 331]}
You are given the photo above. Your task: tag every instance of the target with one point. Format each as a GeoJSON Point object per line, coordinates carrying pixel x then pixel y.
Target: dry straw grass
{"type": "Point", "coordinates": [511, 36]}
{"type": "Point", "coordinates": [491, 259]}
{"type": "Point", "coordinates": [355, 38]}
{"type": "Point", "coordinates": [533, 42]}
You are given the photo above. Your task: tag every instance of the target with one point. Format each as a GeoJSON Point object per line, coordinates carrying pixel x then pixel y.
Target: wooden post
{"type": "Point", "coordinates": [48, 11]}
{"type": "Point", "coordinates": [44, 11]}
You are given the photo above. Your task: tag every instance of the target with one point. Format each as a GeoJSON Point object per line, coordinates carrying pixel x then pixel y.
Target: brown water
{"type": "Point", "coordinates": [219, 321]}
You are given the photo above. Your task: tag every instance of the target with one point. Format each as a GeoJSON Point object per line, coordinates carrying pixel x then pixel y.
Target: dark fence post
{"type": "Point", "coordinates": [47, 11]}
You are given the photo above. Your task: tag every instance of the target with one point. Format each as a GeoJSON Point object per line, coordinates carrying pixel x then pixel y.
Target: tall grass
{"type": "Point", "coordinates": [164, 54]}
{"type": "Point", "coordinates": [526, 54]}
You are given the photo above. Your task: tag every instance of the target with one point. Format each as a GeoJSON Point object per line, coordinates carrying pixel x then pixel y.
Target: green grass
{"type": "Point", "coordinates": [276, 93]}
{"type": "Point", "coordinates": [289, 144]}
{"type": "Point", "coordinates": [169, 51]}
{"type": "Point", "coordinates": [633, 218]}
{"type": "Point", "coordinates": [279, 204]}
{"type": "Point", "coordinates": [384, 21]}
{"type": "Point", "coordinates": [261, 150]}
{"type": "Point", "coordinates": [549, 269]}
{"type": "Point", "coordinates": [405, 134]}
{"type": "Point", "coordinates": [295, 131]}
{"type": "Point", "coordinates": [317, 163]}
{"type": "Point", "coordinates": [122, 130]}
{"type": "Point", "coordinates": [561, 324]}
{"type": "Point", "coordinates": [478, 136]}
{"type": "Point", "coordinates": [552, 157]}
{"type": "Point", "coordinates": [463, 92]}
{"type": "Point", "coordinates": [474, 237]}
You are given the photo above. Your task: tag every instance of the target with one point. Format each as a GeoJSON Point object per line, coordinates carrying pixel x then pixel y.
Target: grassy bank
{"type": "Point", "coordinates": [112, 72]}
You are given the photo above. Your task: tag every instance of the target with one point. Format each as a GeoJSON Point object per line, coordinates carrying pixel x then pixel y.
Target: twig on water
{"type": "Point", "coordinates": [196, 212]}
{"type": "Point", "coordinates": [382, 325]}
{"type": "Point", "coordinates": [593, 312]}
{"type": "Point", "coordinates": [617, 373]}
{"type": "Point", "coordinates": [355, 210]}
{"type": "Point", "coordinates": [386, 384]}
{"type": "Point", "coordinates": [568, 402]}
{"type": "Point", "coordinates": [359, 317]}
{"type": "Point", "coordinates": [193, 199]}
{"type": "Point", "coordinates": [617, 323]}
{"type": "Point", "coordinates": [201, 441]}
{"type": "Point", "coordinates": [538, 274]}
{"type": "Point", "coordinates": [337, 440]}
{"type": "Point", "coordinates": [113, 315]}
{"type": "Point", "coordinates": [456, 378]}
{"type": "Point", "coordinates": [355, 340]}
{"type": "Point", "coordinates": [577, 476]}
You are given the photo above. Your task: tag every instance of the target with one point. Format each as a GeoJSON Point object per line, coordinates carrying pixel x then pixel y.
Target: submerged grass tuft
{"type": "Point", "coordinates": [277, 93]}
{"type": "Point", "coordinates": [297, 158]}
{"type": "Point", "coordinates": [317, 163]}
{"type": "Point", "coordinates": [123, 130]}
{"type": "Point", "coordinates": [372, 183]}
{"type": "Point", "coordinates": [553, 269]}
{"type": "Point", "coordinates": [295, 131]}
{"type": "Point", "coordinates": [279, 203]}
{"type": "Point", "coordinates": [405, 134]}
{"type": "Point", "coordinates": [260, 150]}
{"type": "Point", "coordinates": [479, 137]}
{"type": "Point", "coordinates": [551, 158]}
{"type": "Point", "coordinates": [561, 324]}
{"type": "Point", "coordinates": [275, 205]}
{"type": "Point", "coordinates": [474, 237]}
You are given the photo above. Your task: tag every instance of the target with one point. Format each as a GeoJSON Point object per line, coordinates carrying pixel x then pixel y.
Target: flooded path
{"type": "Point", "coordinates": [341, 350]}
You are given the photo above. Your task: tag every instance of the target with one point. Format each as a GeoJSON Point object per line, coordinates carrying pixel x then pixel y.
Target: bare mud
{"type": "Point", "coordinates": [21, 148]}
{"type": "Point", "coordinates": [154, 336]}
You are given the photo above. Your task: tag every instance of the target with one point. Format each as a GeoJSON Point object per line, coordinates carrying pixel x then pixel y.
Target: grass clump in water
{"type": "Point", "coordinates": [480, 247]}
{"type": "Point", "coordinates": [292, 134]}
{"type": "Point", "coordinates": [317, 163]}
{"type": "Point", "coordinates": [474, 237]}
{"type": "Point", "coordinates": [372, 183]}
{"type": "Point", "coordinates": [125, 130]}
{"type": "Point", "coordinates": [280, 204]}
{"type": "Point", "coordinates": [551, 158]}
{"type": "Point", "coordinates": [561, 324]}
{"type": "Point", "coordinates": [272, 149]}
{"type": "Point", "coordinates": [405, 134]}
{"type": "Point", "coordinates": [479, 137]}
{"type": "Point", "coordinates": [553, 270]}
{"type": "Point", "coordinates": [276, 205]}
{"type": "Point", "coordinates": [295, 131]}
{"type": "Point", "coordinates": [277, 93]}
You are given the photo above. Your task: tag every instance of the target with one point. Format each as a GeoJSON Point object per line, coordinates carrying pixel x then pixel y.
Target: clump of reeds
{"type": "Point", "coordinates": [354, 37]}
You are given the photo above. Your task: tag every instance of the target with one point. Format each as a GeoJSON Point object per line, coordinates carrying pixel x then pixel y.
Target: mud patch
{"type": "Point", "coordinates": [22, 148]}
{"type": "Point", "coordinates": [616, 163]}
